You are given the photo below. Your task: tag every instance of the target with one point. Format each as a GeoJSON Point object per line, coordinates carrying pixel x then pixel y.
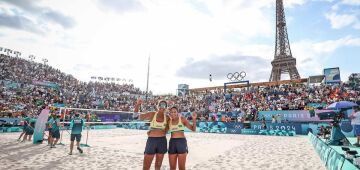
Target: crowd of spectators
{"type": "Point", "coordinates": [267, 98]}
{"type": "Point", "coordinates": [251, 101]}
{"type": "Point", "coordinates": [291, 97]}
{"type": "Point", "coordinates": [26, 86]}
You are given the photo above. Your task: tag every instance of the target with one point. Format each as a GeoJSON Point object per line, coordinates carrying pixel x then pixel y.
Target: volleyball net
{"type": "Point", "coordinates": [98, 119]}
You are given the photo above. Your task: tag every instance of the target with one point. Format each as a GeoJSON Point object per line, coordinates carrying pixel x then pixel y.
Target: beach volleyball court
{"type": "Point", "coordinates": [123, 149]}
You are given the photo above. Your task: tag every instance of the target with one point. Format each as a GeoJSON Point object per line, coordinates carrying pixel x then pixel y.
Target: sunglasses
{"type": "Point", "coordinates": [163, 105]}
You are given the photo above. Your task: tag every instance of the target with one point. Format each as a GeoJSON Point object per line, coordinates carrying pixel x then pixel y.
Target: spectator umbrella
{"type": "Point", "coordinates": [342, 105]}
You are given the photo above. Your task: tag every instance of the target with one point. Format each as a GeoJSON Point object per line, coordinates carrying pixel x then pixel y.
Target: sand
{"type": "Point", "coordinates": [123, 149]}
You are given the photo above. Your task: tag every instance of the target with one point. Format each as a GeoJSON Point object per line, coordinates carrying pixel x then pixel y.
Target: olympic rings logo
{"type": "Point", "coordinates": [236, 76]}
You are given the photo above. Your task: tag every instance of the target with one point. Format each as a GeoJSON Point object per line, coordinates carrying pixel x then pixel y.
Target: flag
{"type": "Point", "coordinates": [40, 126]}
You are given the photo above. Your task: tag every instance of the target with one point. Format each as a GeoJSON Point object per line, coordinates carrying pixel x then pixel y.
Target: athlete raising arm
{"type": "Point", "coordinates": [156, 144]}
{"type": "Point", "coordinates": [178, 148]}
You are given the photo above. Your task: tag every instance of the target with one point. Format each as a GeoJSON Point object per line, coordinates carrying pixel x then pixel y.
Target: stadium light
{"type": "Point", "coordinates": [8, 51]}
{"type": "Point", "coordinates": [93, 78]}
{"type": "Point", "coordinates": [45, 60]}
{"type": "Point", "coordinates": [17, 53]}
{"type": "Point", "coordinates": [32, 57]}
{"type": "Point", "coordinates": [115, 80]}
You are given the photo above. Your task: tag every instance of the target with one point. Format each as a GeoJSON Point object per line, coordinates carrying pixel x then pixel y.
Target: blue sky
{"type": "Point", "coordinates": [187, 40]}
{"type": "Point", "coordinates": [312, 23]}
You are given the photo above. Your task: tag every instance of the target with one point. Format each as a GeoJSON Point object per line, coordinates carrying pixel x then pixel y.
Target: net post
{"type": "Point", "coordinates": [63, 125]}
{"type": "Point", "coordinates": [87, 134]}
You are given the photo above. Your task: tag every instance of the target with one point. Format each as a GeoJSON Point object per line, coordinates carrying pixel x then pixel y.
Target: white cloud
{"type": "Point", "coordinates": [357, 25]}
{"type": "Point", "coordinates": [312, 55]}
{"type": "Point", "coordinates": [340, 20]}
{"type": "Point", "coordinates": [37, 18]}
{"type": "Point", "coordinates": [182, 33]}
{"type": "Point", "coordinates": [351, 2]}
{"type": "Point", "coordinates": [325, 0]}
{"type": "Point", "coordinates": [335, 7]}
{"type": "Point", "coordinates": [117, 45]}
{"type": "Point", "coordinates": [348, 17]}
{"type": "Point", "coordinates": [332, 45]}
{"type": "Point", "coordinates": [293, 3]}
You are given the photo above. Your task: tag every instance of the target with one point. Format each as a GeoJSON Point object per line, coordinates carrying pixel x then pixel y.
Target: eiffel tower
{"type": "Point", "coordinates": [284, 62]}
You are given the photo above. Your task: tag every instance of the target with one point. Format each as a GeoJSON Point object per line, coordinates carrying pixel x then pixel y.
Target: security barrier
{"type": "Point", "coordinates": [332, 159]}
{"type": "Point", "coordinates": [228, 127]}
{"type": "Point", "coordinates": [10, 129]}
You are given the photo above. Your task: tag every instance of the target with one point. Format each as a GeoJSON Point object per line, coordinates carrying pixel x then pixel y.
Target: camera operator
{"type": "Point", "coordinates": [355, 120]}
{"type": "Point", "coordinates": [321, 131]}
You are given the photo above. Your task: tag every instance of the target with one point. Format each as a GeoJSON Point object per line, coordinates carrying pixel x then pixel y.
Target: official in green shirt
{"type": "Point", "coordinates": [49, 126]}
{"type": "Point", "coordinates": [55, 131]}
{"type": "Point", "coordinates": [76, 126]}
{"type": "Point", "coordinates": [26, 122]}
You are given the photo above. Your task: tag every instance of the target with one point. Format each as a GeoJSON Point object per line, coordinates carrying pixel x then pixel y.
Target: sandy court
{"type": "Point", "coordinates": [123, 149]}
